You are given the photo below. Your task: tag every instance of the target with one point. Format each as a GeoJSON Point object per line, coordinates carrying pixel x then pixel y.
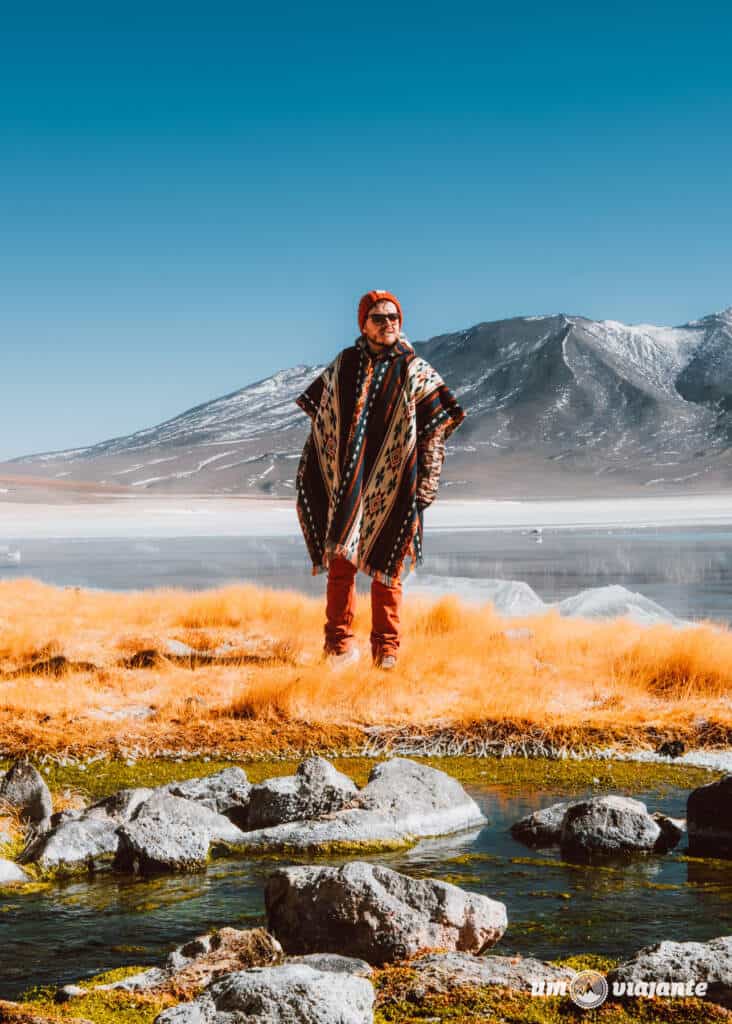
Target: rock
{"type": "Point", "coordinates": [334, 962]}
{"type": "Point", "coordinates": [204, 959]}
{"type": "Point", "coordinates": [441, 972]}
{"type": "Point", "coordinates": [156, 843]}
{"type": "Point", "coordinates": [607, 825]}
{"type": "Point", "coordinates": [709, 819]}
{"type": "Point", "coordinates": [200, 1012]}
{"type": "Point", "coordinates": [709, 962]}
{"type": "Point", "coordinates": [368, 911]}
{"type": "Point", "coordinates": [88, 842]}
{"type": "Point", "coordinates": [541, 828]}
{"type": "Point", "coordinates": [10, 872]}
{"type": "Point", "coordinates": [121, 806]}
{"type": "Point", "coordinates": [24, 788]}
{"type": "Point", "coordinates": [226, 792]}
{"type": "Point", "coordinates": [672, 832]}
{"type": "Point", "coordinates": [292, 994]}
{"type": "Point", "coordinates": [316, 790]}
{"type": "Point", "coordinates": [421, 800]}
{"type": "Point", "coordinates": [348, 830]}
{"type": "Point", "coordinates": [188, 813]}
{"type": "Point", "coordinates": [67, 992]}
{"type": "Point", "coordinates": [671, 748]}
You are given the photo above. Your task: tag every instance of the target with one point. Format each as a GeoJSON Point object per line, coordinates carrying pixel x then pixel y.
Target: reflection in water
{"type": "Point", "coordinates": [688, 571]}
{"type": "Point", "coordinates": [554, 908]}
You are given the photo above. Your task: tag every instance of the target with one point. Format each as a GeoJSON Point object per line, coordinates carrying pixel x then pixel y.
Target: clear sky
{"type": "Point", "coordinates": [194, 196]}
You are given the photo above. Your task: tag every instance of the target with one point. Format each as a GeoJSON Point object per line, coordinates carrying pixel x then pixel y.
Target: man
{"type": "Point", "coordinates": [370, 466]}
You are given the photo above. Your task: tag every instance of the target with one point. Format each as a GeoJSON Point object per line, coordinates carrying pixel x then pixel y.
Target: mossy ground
{"type": "Point", "coordinates": [513, 774]}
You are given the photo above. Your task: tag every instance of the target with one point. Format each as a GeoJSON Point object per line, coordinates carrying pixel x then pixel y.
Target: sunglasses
{"type": "Point", "coordinates": [381, 318]}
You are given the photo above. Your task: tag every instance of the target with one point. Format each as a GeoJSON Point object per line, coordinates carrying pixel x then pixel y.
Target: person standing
{"type": "Point", "coordinates": [380, 415]}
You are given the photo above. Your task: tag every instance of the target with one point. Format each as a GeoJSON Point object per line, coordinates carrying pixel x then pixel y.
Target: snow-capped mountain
{"type": "Point", "coordinates": [555, 405]}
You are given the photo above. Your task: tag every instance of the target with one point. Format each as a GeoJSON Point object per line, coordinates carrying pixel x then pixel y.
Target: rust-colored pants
{"type": "Point", "coordinates": [341, 605]}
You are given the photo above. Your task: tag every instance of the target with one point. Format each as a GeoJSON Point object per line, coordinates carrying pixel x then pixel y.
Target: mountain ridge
{"type": "Point", "coordinates": [578, 400]}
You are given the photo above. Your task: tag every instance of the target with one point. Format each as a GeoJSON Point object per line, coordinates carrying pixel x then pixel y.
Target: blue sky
{"type": "Point", "coordinates": [194, 196]}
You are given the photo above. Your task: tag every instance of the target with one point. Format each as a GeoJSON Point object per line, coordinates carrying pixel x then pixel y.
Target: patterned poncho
{"type": "Point", "coordinates": [357, 478]}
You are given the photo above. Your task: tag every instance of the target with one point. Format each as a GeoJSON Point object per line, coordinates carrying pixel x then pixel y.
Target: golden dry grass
{"type": "Point", "coordinates": [461, 667]}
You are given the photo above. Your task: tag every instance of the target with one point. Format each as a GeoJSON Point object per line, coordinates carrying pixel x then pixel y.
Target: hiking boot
{"type": "Point", "coordinates": [388, 662]}
{"type": "Point", "coordinates": [349, 657]}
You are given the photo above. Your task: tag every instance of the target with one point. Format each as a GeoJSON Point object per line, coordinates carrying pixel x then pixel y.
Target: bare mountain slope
{"type": "Point", "coordinates": [555, 405]}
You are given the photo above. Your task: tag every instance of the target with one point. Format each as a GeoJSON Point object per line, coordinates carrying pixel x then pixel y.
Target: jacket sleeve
{"type": "Point", "coordinates": [436, 407]}
{"type": "Point", "coordinates": [430, 457]}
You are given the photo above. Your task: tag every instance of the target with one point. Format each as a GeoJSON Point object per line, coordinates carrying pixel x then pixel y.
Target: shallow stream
{"type": "Point", "coordinates": [75, 929]}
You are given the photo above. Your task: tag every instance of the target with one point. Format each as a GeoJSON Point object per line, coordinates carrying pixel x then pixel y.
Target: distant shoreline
{"type": "Point", "coordinates": [144, 516]}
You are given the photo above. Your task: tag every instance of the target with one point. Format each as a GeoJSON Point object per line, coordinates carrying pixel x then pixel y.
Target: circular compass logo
{"type": "Point", "coordinates": [588, 989]}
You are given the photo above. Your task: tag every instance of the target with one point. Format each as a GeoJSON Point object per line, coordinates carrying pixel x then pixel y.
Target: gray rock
{"type": "Point", "coordinates": [368, 911]}
{"type": "Point", "coordinates": [347, 830]}
{"type": "Point", "coordinates": [316, 790]}
{"type": "Point", "coordinates": [188, 813]}
{"type": "Point", "coordinates": [709, 962]}
{"type": "Point", "coordinates": [200, 1012]}
{"type": "Point", "coordinates": [24, 788]}
{"type": "Point", "coordinates": [421, 800]}
{"type": "Point", "coordinates": [226, 792]}
{"type": "Point", "coordinates": [709, 819]}
{"type": "Point", "coordinates": [334, 962]}
{"type": "Point", "coordinates": [88, 842]}
{"type": "Point", "coordinates": [67, 992]}
{"type": "Point", "coordinates": [157, 843]}
{"type": "Point", "coordinates": [543, 827]}
{"type": "Point", "coordinates": [672, 832]}
{"type": "Point", "coordinates": [121, 806]}
{"type": "Point", "coordinates": [441, 972]}
{"type": "Point", "coordinates": [292, 994]}
{"type": "Point", "coordinates": [607, 825]}
{"type": "Point", "coordinates": [10, 872]}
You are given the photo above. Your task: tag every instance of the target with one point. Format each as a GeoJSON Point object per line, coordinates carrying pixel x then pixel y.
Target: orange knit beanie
{"type": "Point", "coordinates": [372, 297]}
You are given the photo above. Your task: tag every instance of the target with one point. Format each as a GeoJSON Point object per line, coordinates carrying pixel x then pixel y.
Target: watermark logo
{"type": "Point", "coordinates": [588, 989]}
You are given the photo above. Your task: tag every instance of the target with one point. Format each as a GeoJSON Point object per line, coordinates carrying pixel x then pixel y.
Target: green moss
{"type": "Point", "coordinates": [109, 977]}
{"type": "Point", "coordinates": [588, 962]}
{"type": "Point", "coordinates": [100, 1007]}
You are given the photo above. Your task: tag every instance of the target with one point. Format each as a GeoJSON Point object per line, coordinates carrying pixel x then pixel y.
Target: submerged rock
{"type": "Point", "coordinates": [606, 826]}
{"type": "Point", "coordinates": [316, 790]}
{"type": "Point", "coordinates": [24, 788]}
{"type": "Point", "coordinates": [696, 962]}
{"type": "Point", "coordinates": [709, 819]}
{"type": "Point", "coordinates": [368, 911]}
{"type": "Point", "coordinates": [288, 994]}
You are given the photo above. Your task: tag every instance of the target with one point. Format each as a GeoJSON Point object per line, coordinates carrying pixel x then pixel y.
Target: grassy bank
{"type": "Point", "coordinates": [84, 672]}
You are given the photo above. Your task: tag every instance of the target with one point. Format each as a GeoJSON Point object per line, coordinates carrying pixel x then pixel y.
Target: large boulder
{"type": "Point", "coordinates": [10, 872]}
{"type": "Point", "coordinates": [288, 994]}
{"type": "Point", "coordinates": [607, 826]}
{"type": "Point", "coordinates": [226, 792]}
{"type": "Point", "coordinates": [189, 814]}
{"type": "Point", "coordinates": [24, 788]}
{"type": "Point", "coordinates": [695, 962]}
{"type": "Point", "coordinates": [368, 911]}
{"type": "Point", "coordinates": [85, 843]}
{"type": "Point", "coordinates": [156, 843]}
{"type": "Point", "coordinates": [541, 828]}
{"type": "Point", "coordinates": [709, 819]}
{"type": "Point", "coordinates": [316, 790]}
{"type": "Point", "coordinates": [421, 800]}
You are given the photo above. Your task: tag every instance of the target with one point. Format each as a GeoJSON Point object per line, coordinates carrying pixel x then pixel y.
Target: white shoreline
{"type": "Point", "coordinates": [242, 517]}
